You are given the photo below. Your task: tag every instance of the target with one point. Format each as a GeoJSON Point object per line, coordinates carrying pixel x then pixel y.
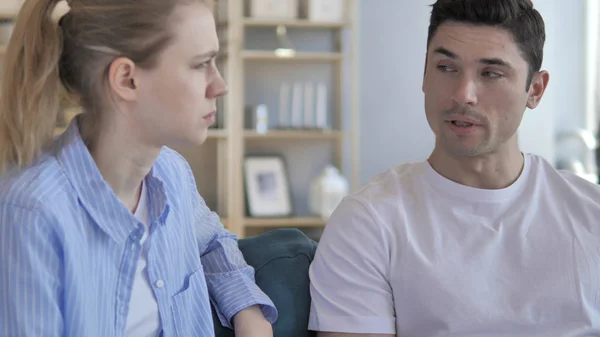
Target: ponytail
{"type": "Point", "coordinates": [31, 88]}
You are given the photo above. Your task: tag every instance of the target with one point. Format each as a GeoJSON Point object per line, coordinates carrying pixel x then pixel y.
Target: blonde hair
{"type": "Point", "coordinates": [45, 60]}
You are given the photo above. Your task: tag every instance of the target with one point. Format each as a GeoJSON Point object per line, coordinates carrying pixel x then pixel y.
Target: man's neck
{"type": "Point", "coordinates": [123, 163]}
{"type": "Point", "coordinates": [492, 171]}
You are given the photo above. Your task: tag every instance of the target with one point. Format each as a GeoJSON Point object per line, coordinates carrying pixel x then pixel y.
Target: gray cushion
{"type": "Point", "coordinates": [281, 259]}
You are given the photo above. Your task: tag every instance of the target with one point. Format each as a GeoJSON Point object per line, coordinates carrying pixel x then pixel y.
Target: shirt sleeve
{"type": "Point", "coordinates": [349, 275]}
{"type": "Point", "coordinates": [230, 280]}
{"type": "Point", "coordinates": [30, 269]}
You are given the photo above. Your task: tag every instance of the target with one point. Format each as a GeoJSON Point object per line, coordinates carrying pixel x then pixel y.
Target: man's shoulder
{"type": "Point", "coordinates": [565, 179]}
{"type": "Point", "coordinates": [393, 183]}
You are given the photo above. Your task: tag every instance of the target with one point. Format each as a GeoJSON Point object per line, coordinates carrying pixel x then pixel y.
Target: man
{"type": "Point", "coordinates": [480, 239]}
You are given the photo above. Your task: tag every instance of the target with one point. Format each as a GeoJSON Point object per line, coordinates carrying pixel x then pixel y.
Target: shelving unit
{"type": "Point", "coordinates": [252, 67]}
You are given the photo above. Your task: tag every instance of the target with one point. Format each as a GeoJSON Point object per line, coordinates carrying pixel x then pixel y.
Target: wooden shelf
{"type": "Point", "coordinates": [300, 23]}
{"type": "Point", "coordinates": [298, 56]}
{"type": "Point", "coordinates": [294, 134]}
{"type": "Point", "coordinates": [284, 222]}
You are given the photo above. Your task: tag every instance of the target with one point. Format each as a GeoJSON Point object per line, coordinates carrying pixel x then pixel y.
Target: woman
{"type": "Point", "coordinates": [102, 232]}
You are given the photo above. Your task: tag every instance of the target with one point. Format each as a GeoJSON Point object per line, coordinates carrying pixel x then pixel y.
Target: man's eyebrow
{"type": "Point", "coordinates": [445, 52]}
{"type": "Point", "coordinates": [495, 62]}
{"type": "Point", "coordinates": [486, 61]}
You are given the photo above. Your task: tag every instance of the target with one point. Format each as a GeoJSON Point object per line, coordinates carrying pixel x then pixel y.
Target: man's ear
{"type": "Point", "coordinates": [538, 86]}
{"type": "Point", "coordinates": [121, 78]}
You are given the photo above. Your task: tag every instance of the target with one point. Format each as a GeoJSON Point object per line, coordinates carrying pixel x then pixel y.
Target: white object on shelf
{"type": "Point", "coordinates": [321, 107]}
{"type": "Point", "coordinates": [284, 103]}
{"type": "Point", "coordinates": [324, 10]}
{"type": "Point", "coordinates": [262, 116]}
{"type": "Point", "coordinates": [273, 9]}
{"type": "Point", "coordinates": [257, 118]}
{"type": "Point", "coordinates": [297, 106]}
{"type": "Point", "coordinates": [327, 191]}
{"type": "Point", "coordinates": [309, 105]}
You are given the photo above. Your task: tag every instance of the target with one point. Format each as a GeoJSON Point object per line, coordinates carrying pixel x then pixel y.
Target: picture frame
{"type": "Point", "coordinates": [267, 186]}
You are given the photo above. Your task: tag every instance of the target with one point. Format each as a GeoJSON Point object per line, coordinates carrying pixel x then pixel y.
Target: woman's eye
{"type": "Point", "coordinates": [202, 65]}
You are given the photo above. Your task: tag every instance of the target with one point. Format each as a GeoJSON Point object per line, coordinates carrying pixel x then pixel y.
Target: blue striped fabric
{"type": "Point", "coordinates": [69, 249]}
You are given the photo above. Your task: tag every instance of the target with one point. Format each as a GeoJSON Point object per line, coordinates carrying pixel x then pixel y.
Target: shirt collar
{"type": "Point", "coordinates": [94, 193]}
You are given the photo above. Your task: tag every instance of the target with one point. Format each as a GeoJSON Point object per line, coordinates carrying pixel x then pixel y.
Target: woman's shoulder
{"type": "Point", "coordinates": [35, 186]}
{"type": "Point", "coordinates": [171, 163]}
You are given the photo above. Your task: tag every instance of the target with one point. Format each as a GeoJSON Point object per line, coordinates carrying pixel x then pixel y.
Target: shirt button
{"type": "Point", "coordinates": [159, 283]}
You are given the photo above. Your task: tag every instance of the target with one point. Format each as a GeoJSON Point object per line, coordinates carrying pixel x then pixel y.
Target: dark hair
{"type": "Point", "coordinates": [518, 17]}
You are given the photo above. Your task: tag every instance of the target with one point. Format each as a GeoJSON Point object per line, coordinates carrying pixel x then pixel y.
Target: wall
{"type": "Point", "coordinates": [393, 128]}
{"type": "Point", "coordinates": [393, 40]}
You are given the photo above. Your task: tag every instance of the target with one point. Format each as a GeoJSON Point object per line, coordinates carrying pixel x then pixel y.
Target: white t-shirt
{"type": "Point", "coordinates": [417, 255]}
{"type": "Point", "coordinates": [143, 319]}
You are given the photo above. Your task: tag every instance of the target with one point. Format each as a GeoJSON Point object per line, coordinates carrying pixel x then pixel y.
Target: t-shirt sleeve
{"type": "Point", "coordinates": [349, 275]}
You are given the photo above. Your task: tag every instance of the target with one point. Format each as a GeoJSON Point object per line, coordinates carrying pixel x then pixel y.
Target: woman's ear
{"type": "Point", "coordinates": [121, 78]}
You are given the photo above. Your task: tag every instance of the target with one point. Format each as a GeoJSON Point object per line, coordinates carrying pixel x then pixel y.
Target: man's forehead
{"type": "Point", "coordinates": [475, 41]}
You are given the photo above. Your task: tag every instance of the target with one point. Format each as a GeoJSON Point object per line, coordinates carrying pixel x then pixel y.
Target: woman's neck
{"type": "Point", "coordinates": [123, 162]}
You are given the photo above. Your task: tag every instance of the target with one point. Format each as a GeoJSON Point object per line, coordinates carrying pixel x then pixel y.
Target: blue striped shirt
{"type": "Point", "coordinates": [69, 249]}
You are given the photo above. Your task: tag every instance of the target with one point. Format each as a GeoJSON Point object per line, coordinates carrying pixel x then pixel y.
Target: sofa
{"type": "Point", "coordinates": [280, 259]}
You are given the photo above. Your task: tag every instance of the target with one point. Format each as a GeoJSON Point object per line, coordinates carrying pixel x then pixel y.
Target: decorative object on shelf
{"type": "Point", "coordinates": [309, 106]}
{"type": "Point", "coordinates": [284, 103]}
{"type": "Point", "coordinates": [324, 10]}
{"type": "Point", "coordinates": [286, 48]}
{"type": "Point", "coordinates": [267, 186]}
{"type": "Point", "coordinates": [297, 106]}
{"type": "Point", "coordinates": [327, 191]}
{"type": "Point", "coordinates": [273, 9]}
{"type": "Point", "coordinates": [321, 107]}
{"type": "Point", "coordinates": [303, 105]}
{"type": "Point", "coordinates": [257, 118]}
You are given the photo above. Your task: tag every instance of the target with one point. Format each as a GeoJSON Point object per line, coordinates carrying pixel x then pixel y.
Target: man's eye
{"type": "Point", "coordinates": [445, 68]}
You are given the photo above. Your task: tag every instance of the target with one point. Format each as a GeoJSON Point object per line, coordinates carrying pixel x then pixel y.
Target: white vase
{"type": "Point", "coordinates": [327, 191]}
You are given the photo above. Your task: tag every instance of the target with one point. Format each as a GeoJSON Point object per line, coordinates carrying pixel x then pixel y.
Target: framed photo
{"type": "Point", "coordinates": [267, 187]}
